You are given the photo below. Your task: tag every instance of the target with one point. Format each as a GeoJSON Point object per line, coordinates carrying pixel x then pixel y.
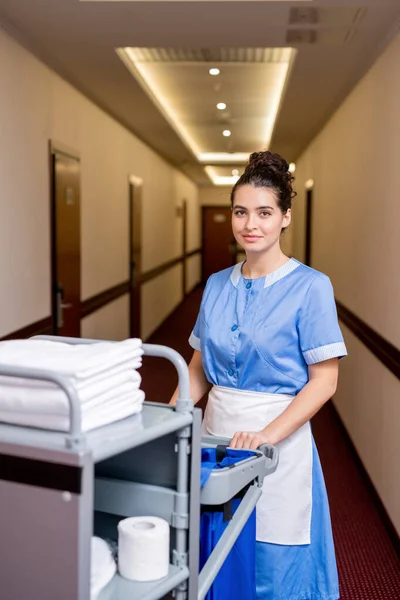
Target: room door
{"type": "Point", "coordinates": [135, 245]}
{"type": "Point", "coordinates": [219, 245]}
{"type": "Point", "coordinates": [308, 232]}
{"type": "Point", "coordinates": [66, 244]}
{"type": "Point", "coordinates": [184, 246]}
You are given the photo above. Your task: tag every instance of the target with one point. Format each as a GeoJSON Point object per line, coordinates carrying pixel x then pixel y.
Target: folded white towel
{"type": "Point", "coordinates": [54, 401]}
{"type": "Point", "coordinates": [102, 566]}
{"type": "Point", "coordinates": [92, 418]}
{"type": "Point", "coordinates": [78, 361]}
{"type": "Point", "coordinates": [80, 384]}
{"type": "Point", "coordinates": [103, 374]}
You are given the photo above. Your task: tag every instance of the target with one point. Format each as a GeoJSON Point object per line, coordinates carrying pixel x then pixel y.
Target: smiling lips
{"type": "Point", "coordinates": [252, 238]}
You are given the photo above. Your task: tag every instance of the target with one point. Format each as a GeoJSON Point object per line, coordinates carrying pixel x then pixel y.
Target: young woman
{"type": "Point", "coordinates": [268, 340]}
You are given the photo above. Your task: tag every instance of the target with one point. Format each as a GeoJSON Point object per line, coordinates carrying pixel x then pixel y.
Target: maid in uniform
{"type": "Point", "coordinates": [268, 341]}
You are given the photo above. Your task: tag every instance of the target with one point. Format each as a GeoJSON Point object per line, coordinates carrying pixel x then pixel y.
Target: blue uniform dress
{"type": "Point", "coordinates": [260, 335]}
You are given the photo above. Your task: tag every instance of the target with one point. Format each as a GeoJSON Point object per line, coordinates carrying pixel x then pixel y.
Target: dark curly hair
{"type": "Point", "coordinates": [271, 171]}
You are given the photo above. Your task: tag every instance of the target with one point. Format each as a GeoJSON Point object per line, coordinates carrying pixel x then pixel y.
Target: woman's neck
{"type": "Point", "coordinates": [260, 265]}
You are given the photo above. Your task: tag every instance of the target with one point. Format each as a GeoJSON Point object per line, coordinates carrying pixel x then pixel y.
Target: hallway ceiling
{"type": "Point", "coordinates": [167, 96]}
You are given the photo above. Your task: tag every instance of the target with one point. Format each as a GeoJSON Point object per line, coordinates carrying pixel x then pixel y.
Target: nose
{"type": "Point", "coordinates": [250, 222]}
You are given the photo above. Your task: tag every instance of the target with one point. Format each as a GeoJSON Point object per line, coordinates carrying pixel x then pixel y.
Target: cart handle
{"type": "Point", "coordinates": [61, 382]}
{"type": "Point", "coordinates": [272, 453]}
{"type": "Point", "coordinates": [269, 451]}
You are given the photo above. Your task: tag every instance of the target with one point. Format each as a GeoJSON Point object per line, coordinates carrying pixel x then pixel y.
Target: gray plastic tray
{"type": "Point", "coordinates": [224, 484]}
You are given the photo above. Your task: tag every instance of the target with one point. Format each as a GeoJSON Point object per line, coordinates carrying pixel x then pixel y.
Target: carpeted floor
{"type": "Point", "coordinates": [369, 568]}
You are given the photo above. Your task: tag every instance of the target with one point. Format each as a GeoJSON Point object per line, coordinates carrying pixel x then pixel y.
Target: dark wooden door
{"type": "Point", "coordinates": [135, 244]}
{"type": "Point", "coordinates": [219, 245]}
{"type": "Point", "coordinates": [308, 233]}
{"type": "Point", "coordinates": [66, 245]}
{"type": "Point", "coordinates": [184, 246]}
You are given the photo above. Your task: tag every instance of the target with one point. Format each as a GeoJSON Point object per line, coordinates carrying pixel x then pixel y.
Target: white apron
{"type": "Point", "coordinates": [284, 509]}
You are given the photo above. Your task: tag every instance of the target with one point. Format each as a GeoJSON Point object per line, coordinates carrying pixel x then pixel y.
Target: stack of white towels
{"type": "Point", "coordinates": [104, 375]}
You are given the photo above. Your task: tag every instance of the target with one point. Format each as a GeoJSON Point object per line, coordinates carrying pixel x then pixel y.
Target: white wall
{"type": "Point", "coordinates": [193, 272]}
{"type": "Point", "coordinates": [110, 322]}
{"type": "Point", "coordinates": [37, 106]}
{"type": "Point", "coordinates": [215, 195]}
{"type": "Point", "coordinates": [356, 215]}
{"type": "Point", "coordinates": [160, 296]}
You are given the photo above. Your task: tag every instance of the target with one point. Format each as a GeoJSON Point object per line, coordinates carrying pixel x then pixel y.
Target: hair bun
{"type": "Point", "coordinates": [268, 162]}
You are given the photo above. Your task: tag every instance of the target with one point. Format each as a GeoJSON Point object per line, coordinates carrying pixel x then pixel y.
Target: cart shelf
{"type": "Point", "coordinates": [153, 422]}
{"type": "Point", "coordinates": [123, 589]}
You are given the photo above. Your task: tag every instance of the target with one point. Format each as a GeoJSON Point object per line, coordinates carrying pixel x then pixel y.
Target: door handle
{"type": "Point", "coordinates": [61, 306]}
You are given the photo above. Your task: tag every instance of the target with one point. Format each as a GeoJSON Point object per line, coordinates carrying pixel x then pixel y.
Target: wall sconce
{"type": "Point", "coordinates": [309, 184]}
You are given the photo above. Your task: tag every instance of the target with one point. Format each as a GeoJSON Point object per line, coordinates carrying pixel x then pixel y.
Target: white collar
{"type": "Point", "coordinates": [271, 278]}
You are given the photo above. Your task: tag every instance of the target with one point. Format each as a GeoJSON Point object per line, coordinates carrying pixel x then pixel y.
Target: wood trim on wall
{"type": "Point", "coordinates": [100, 300]}
{"type": "Point", "coordinates": [153, 273]}
{"type": "Point", "coordinates": [42, 327]}
{"type": "Point", "coordinates": [193, 253]}
{"type": "Point", "coordinates": [383, 350]}
{"type": "Point", "coordinates": [91, 305]}
{"type": "Point", "coordinates": [96, 302]}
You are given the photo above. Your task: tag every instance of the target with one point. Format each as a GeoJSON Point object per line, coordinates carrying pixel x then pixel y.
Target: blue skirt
{"type": "Point", "coordinates": [302, 572]}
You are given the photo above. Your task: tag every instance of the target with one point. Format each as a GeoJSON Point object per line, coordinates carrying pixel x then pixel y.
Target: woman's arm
{"type": "Point", "coordinates": [320, 388]}
{"type": "Point", "coordinates": [198, 382]}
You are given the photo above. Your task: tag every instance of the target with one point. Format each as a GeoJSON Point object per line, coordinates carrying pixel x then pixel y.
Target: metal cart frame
{"type": "Point", "coordinates": [58, 489]}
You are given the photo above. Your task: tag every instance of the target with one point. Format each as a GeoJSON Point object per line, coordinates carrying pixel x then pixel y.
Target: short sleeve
{"type": "Point", "coordinates": [318, 327]}
{"type": "Point", "coordinates": [194, 339]}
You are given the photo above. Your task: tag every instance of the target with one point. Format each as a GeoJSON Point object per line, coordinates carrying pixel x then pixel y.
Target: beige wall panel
{"type": "Point", "coordinates": [24, 190]}
{"type": "Point", "coordinates": [368, 402]}
{"type": "Point", "coordinates": [215, 195]}
{"type": "Point", "coordinates": [160, 297]}
{"type": "Point", "coordinates": [109, 155]}
{"type": "Point", "coordinates": [193, 272]}
{"type": "Point", "coordinates": [186, 190]}
{"type": "Point", "coordinates": [109, 323]}
{"type": "Point", "coordinates": [356, 216]}
{"type": "Point", "coordinates": [354, 164]}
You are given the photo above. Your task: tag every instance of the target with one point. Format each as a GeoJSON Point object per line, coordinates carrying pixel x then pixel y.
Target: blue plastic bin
{"type": "Point", "coordinates": [236, 578]}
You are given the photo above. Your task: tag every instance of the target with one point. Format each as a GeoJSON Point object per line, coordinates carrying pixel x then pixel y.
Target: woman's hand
{"type": "Point", "coordinates": [251, 440]}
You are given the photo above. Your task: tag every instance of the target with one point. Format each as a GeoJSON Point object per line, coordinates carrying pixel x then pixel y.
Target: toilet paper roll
{"type": "Point", "coordinates": [143, 548]}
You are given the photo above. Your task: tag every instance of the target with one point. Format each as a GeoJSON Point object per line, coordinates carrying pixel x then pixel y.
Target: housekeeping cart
{"type": "Point", "coordinates": [57, 490]}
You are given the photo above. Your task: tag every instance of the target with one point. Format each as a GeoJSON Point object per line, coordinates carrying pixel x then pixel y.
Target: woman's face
{"type": "Point", "coordinates": [257, 220]}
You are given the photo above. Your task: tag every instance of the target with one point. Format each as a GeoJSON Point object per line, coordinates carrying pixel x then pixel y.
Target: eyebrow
{"type": "Point", "coordinates": [258, 208]}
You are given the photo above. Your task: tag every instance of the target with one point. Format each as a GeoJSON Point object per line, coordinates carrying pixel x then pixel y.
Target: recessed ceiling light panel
{"type": "Point", "coordinates": [160, 72]}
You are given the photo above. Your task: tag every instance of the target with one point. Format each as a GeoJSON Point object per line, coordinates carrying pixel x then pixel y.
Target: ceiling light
{"type": "Point", "coordinates": [226, 133]}
{"type": "Point", "coordinates": [235, 172]}
{"type": "Point", "coordinates": [147, 70]}
{"type": "Point", "coordinates": [214, 71]}
{"type": "Point", "coordinates": [221, 106]}
{"type": "Point", "coordinates": [220, 179]}
{"type": "Point", "coordinates": [232, 158]}
{"type": "Point", "coordinates": [292, 167]}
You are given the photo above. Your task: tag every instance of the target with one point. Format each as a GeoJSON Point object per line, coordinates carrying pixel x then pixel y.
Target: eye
{"type": "Point", "coordinates": [239, 213]}
{"type": "Point", "coordinates": [265, 213]}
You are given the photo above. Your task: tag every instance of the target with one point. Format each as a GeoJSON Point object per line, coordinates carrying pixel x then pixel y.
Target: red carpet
{"type": "Point", "coordinates": [369, 568]}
